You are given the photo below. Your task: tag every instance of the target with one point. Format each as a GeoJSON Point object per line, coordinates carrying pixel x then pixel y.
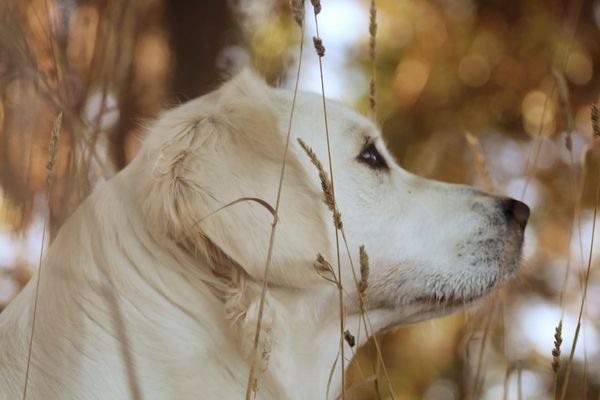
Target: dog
{"type": "Point", "coordinates": [151, 289]}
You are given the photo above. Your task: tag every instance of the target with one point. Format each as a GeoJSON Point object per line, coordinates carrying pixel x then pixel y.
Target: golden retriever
{"type": "Point", "coordinates": [147, 292]}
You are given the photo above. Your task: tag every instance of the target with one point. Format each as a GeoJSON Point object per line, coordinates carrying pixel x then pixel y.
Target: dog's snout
{"type": "Point", "coordinates": [515, 210]}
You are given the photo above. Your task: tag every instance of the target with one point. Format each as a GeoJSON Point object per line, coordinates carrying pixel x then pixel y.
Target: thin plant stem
{"type": "Point", "coordinates": [251, 375]}
{"type": "Point", "coordinates": [560, 60]}
{"type": "Point", "coordinates": [583, 300]}
{"type": "Point", "coordinates": [49, 181]}
{"type": "Point", "coordinates": [519, 382]}
{"type": "Point", "coordinates": [483, 172]}
{"type": "Point", "coordinates": [324, 266]}
{"type": "Point", "coordinates": [477, 384]}
{"type": "Point", "coordinates": [367, 321]}
{"type": "Point", "coordinates": [316, 9]}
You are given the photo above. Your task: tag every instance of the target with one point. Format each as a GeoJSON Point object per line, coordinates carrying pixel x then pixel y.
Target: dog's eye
{"type": "Point", "coordinates": [370, 156]}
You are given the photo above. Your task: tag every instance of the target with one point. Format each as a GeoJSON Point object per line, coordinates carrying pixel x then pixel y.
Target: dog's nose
{"type": "Point", "coordinates": [515, 210]}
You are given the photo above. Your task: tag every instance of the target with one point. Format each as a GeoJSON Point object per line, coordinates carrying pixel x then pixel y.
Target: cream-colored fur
{"type": "Point", "coordinates": [144, 296]}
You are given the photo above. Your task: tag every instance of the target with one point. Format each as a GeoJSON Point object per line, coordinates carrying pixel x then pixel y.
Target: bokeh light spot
{"type": "Point", "coordinates": [411, 78]}
{"type": "Point", "coordinates": [579, 69]}
{"type": "Point", "coordinates": [474, 70]}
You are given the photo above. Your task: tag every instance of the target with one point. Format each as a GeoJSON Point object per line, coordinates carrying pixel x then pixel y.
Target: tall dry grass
{"type": "Point", "coordinates": [297, 8]}
{"type": "Point", "coordinates": [56, 127]}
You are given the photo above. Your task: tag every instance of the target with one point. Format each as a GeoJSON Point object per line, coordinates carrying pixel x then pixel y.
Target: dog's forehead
{"type": "Point", "coordinates": [341, 119]}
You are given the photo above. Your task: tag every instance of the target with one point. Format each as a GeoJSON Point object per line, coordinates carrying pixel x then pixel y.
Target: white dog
{"type": "Point", "coordinates": [147, 293]}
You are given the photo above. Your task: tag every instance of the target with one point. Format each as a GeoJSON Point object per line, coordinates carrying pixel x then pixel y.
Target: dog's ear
{"type": "Point", "coordinates": [226, 146]}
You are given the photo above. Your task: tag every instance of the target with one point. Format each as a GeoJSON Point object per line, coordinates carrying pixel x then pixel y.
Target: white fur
{"type": "Point", "coordinates": [143, 296]}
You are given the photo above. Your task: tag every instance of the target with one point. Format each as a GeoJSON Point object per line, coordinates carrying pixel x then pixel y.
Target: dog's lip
{"type": "Point", "coordinates": [425, 305]}
{"type": "Point", "coordinates": [446, 301]}
{"type": "Point", "coordinates": [443, 301]}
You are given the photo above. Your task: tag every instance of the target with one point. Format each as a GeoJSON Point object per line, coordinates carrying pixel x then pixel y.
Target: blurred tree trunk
{"type": "Point", "coordinates": [198, 32]}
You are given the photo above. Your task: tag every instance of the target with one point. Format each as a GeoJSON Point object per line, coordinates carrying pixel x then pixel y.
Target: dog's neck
{"type": "Point", "coordinates": [305, 357]}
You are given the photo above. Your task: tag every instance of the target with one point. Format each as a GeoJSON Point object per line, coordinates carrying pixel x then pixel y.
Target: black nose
{"type": "Point", "coordinates": [515, 210]}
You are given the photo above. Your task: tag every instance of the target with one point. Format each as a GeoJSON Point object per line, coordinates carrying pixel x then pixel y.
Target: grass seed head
{"type": "Point", "coordinates": [349, 338]}
{"type": "Point", "coordinates": [326, 185]}
{"type": "Point", "coordinates": [53, 149]}
{"type": "Point", "coordinates": [596, 121]}
{"type": "Point", "coordinates": [372, 29]}
{"type": "Point", "coordinates": [372, 94]}
{"type": "Point", "coordinates": [297, 7]}
{"type": "Point", "coordinates": [316, 6]}
{"type": "Point", "coordinates": [318, 42]}
{"type": "Point", "coordinates": [556, 349]}
{"type": "Point", "coordinates": [480, 162]}
{"type": "Point", "coordinates": [563, 102]}
{"type": "Point", "coordinates": [321, 264]}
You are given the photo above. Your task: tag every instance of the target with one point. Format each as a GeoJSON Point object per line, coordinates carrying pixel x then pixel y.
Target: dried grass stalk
{"type": "Point", "coordinates": [252, 384]}
{"type": "Point", "coordinates": [336, 215]}
{"type": "Point", "coordinates": [594, 121]}
{"type": "Point", "coordinates": [480, 163]}
{"type": "Point", "coordinates": [478, 380]}
{"type": "Point", "coordinates": [329, 193]}
{"type": "Point", "coordinates": [56, 126]}
{"type": "Point", "coordinates": [322, 266]}
{"type": "Point", "coordinates": [565, 109]}
{"type": "Point", "coordinates": [261, 202]}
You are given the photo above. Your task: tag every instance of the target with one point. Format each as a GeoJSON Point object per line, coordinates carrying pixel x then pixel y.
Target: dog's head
{"type": "Point", "coordinates": [432, 246]}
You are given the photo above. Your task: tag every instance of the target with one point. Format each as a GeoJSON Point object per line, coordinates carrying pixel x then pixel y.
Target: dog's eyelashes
{"type": "Point", "coordinates": [371, 156]}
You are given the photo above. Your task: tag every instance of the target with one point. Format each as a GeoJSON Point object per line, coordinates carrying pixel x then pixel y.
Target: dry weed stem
{"type": "Point", "coordinates": [49, 180]}
{"type": "Point", "coordinates": [480, 163]}
{"type": "Point", "coordinates": [563, 102]}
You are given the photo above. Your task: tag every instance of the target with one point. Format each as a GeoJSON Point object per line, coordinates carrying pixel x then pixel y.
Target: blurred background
{"type": "Point", "coordinates": [519, 76]}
